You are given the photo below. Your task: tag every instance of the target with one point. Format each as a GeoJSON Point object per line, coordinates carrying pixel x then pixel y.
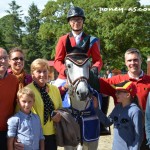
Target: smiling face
{"type": "Point", "coordinates": [40, 76]}
{"type": "Point", "coordinates": [76, 24]}
{"type": "Point", "coordinates": [40, 71]}
{"type": "Point", "coordinates": [25, 103]}
{"type": "Point", "coordinates": [16, 61]}
{"type": "Point", "coordinates": [133, 62]}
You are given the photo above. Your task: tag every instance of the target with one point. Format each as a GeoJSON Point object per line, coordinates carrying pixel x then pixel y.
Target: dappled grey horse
{"type": "Point", "coordinates": [78, 66]}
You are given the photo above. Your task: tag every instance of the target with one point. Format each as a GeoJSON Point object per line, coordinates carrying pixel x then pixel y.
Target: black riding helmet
{"type": "Point", "coordinates": [75, 12]}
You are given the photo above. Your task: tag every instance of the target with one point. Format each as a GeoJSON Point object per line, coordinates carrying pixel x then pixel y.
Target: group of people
{"type": "Point", "coordinates": [35, 101]}
{"type": "Point", "coordinates": [31, 94]}
{"type": "Point", "coordinates": [133, 61]}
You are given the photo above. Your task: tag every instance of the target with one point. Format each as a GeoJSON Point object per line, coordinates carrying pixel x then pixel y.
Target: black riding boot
{"type": "Point", "coordinates": [104, 108]}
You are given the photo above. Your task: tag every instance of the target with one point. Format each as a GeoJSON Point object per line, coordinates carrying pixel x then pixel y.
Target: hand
{"type": "Point", "coordinates": [18, 145]}
{"type": "Point", "coordinates": [65, 86]}
{"type": "Point", "coordinates": [56, 117]}
{"type": "Point", "coordinates": [94, 70]}
{"type": "Point", "coordinates": [95, 102]}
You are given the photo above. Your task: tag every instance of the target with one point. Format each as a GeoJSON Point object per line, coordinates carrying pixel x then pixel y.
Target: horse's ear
{"type": "Point", "coordinates": [68, 45]}
{"type": "Point", "coordinates": [87, 45]}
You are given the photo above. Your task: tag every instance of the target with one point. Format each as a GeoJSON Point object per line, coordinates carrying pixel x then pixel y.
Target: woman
{"type": "Point", "coordinates": [16, 62]}
{"type": "Point", "coordinates": [47, 100]}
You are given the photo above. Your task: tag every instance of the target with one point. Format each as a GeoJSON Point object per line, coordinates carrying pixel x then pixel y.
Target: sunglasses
{"type": "Point", "coordinates": [18, 58]}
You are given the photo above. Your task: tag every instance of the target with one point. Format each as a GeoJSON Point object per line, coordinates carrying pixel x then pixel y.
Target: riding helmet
{"type": "Point", "coordinates": [75, 12]}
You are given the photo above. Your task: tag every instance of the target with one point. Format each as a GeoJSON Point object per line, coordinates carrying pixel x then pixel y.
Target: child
{"type": "Point", "coordinates": [127, 118]}
{"type": "Point", "coordinates": [24, 125]}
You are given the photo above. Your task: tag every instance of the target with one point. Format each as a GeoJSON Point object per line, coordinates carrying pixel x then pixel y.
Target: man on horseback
{"type": "Point", "coordinates": [76, 18]}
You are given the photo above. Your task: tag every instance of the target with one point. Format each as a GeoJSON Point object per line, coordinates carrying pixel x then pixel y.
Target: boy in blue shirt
{"type": "Point", "coordinates": [24, 125]}
{"type": "Point", "coordinates": [127, 118]}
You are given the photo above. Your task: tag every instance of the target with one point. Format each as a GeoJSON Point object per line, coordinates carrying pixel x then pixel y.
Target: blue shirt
{"type": "Point", "coordinates": [128, 126]}
{"type": "Point", "coordinates": [27, 129]}
{"type": "Point", "coordinates": [147, 120]}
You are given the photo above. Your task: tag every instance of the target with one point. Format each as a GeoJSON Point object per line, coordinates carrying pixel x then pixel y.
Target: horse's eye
{"type": "Point", "coordinates": [69, 66]}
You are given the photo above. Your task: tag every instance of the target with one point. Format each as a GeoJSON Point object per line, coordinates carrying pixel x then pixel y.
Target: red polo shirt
{"type": "Point", "coordinates": [8, 92]}
{"type": "Point", "coordinates": [142, 84]}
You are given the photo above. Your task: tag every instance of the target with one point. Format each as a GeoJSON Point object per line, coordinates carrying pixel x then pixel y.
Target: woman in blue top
{"type": "Point", "coordinates": [127, 118]}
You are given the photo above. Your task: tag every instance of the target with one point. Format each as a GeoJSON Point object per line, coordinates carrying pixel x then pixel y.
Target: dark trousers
{"type": "Point", "coordinates": [50, 142]}
{"type": "Point", "coordinates": [3, 140]}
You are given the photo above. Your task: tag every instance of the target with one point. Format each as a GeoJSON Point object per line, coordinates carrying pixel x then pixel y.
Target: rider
{"type": "Point", "coordinates": [76, 18]}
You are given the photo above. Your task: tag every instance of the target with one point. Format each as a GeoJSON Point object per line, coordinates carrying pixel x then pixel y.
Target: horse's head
{"type": "Point", "coordinates": [77, 65]}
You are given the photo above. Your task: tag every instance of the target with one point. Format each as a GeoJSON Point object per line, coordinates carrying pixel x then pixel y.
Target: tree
{"type": "Point", "coordinates": [11, 26]}
{"type": "Point", "coordinates": [122, 25]}
{"type": "Point", "coordinates": [2, 42]}
{"type": "Point", "coordinates": [31, 41]}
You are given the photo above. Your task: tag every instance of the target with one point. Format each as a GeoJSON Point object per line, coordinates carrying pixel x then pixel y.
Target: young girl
{"type": "Point", "coordinates": [24, 125]}
{"type": "Point", "coordinates": [127, 118]}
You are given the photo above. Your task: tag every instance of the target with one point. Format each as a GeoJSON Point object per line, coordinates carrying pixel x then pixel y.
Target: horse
{"type": "Point", "coordinates": [77, 71]}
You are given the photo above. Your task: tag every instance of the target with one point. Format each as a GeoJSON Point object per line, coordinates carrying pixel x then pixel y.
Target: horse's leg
{"type": "Point", "coordinates": [79, 147]}
{"type": "Point", "coordinates": [70, 148]}
{"type": "Point", "coordinates": [104, 108]}
{"type": "Point", "coordinates": [90, 145]}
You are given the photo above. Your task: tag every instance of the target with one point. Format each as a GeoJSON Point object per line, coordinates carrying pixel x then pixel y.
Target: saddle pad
{"type": "Point", "coordinates": [90, 128]}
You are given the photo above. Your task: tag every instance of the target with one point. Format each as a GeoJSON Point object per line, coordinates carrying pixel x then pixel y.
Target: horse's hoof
{"type": "Point", "coordinates": [105, 131]}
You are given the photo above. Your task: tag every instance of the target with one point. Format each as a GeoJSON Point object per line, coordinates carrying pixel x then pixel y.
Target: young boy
{"type": "Point", "coordinates": [25, 126]}
{"type": "Point", "coordinates": [127, 118]}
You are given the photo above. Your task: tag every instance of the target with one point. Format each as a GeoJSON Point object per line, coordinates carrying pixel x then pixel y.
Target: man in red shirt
{"type": "Point", "coordinates": [76, 20]}
{"type": "Point", "coordinates": [133, 61]}
{"type": "Point", "coordinates": [8, 91]}
{"type": "Point", "coordinates": [135, 74]}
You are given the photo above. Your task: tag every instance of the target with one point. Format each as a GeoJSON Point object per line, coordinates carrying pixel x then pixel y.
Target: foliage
{"type": "Point", "coordinates": [120, 24]}
{"type": "Point", "coordinates": [11, 26]}
{"type": "Point", "coordinates": [31, 42]}
{"type": "Point", "coordinates": [118, 29]}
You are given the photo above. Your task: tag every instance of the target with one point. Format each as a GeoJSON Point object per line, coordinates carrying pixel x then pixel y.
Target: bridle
{"type": "Point", "coordinates": [80, 62]}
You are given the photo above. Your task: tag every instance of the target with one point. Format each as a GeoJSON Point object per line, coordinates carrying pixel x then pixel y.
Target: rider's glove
{"type": "Point", "coordinates": [94, 81]}
{"type": "Point", "coordinates": [94, 70]}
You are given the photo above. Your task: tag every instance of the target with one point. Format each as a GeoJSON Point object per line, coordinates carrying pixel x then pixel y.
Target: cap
{"type": "Point", "coordinates": [127, 86]}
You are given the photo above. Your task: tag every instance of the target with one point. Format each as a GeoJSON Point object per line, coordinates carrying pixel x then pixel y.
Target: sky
{"type": "Point", "coordinates": [25, 4]}
{"type": "Point", "coordinates": [4, 5]}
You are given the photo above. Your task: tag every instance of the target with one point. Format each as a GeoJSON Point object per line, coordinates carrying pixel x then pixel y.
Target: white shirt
{"type": "Point", "coordinates": [142, 73]}
{"type": "Point", "coordinates": [77, 37]}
